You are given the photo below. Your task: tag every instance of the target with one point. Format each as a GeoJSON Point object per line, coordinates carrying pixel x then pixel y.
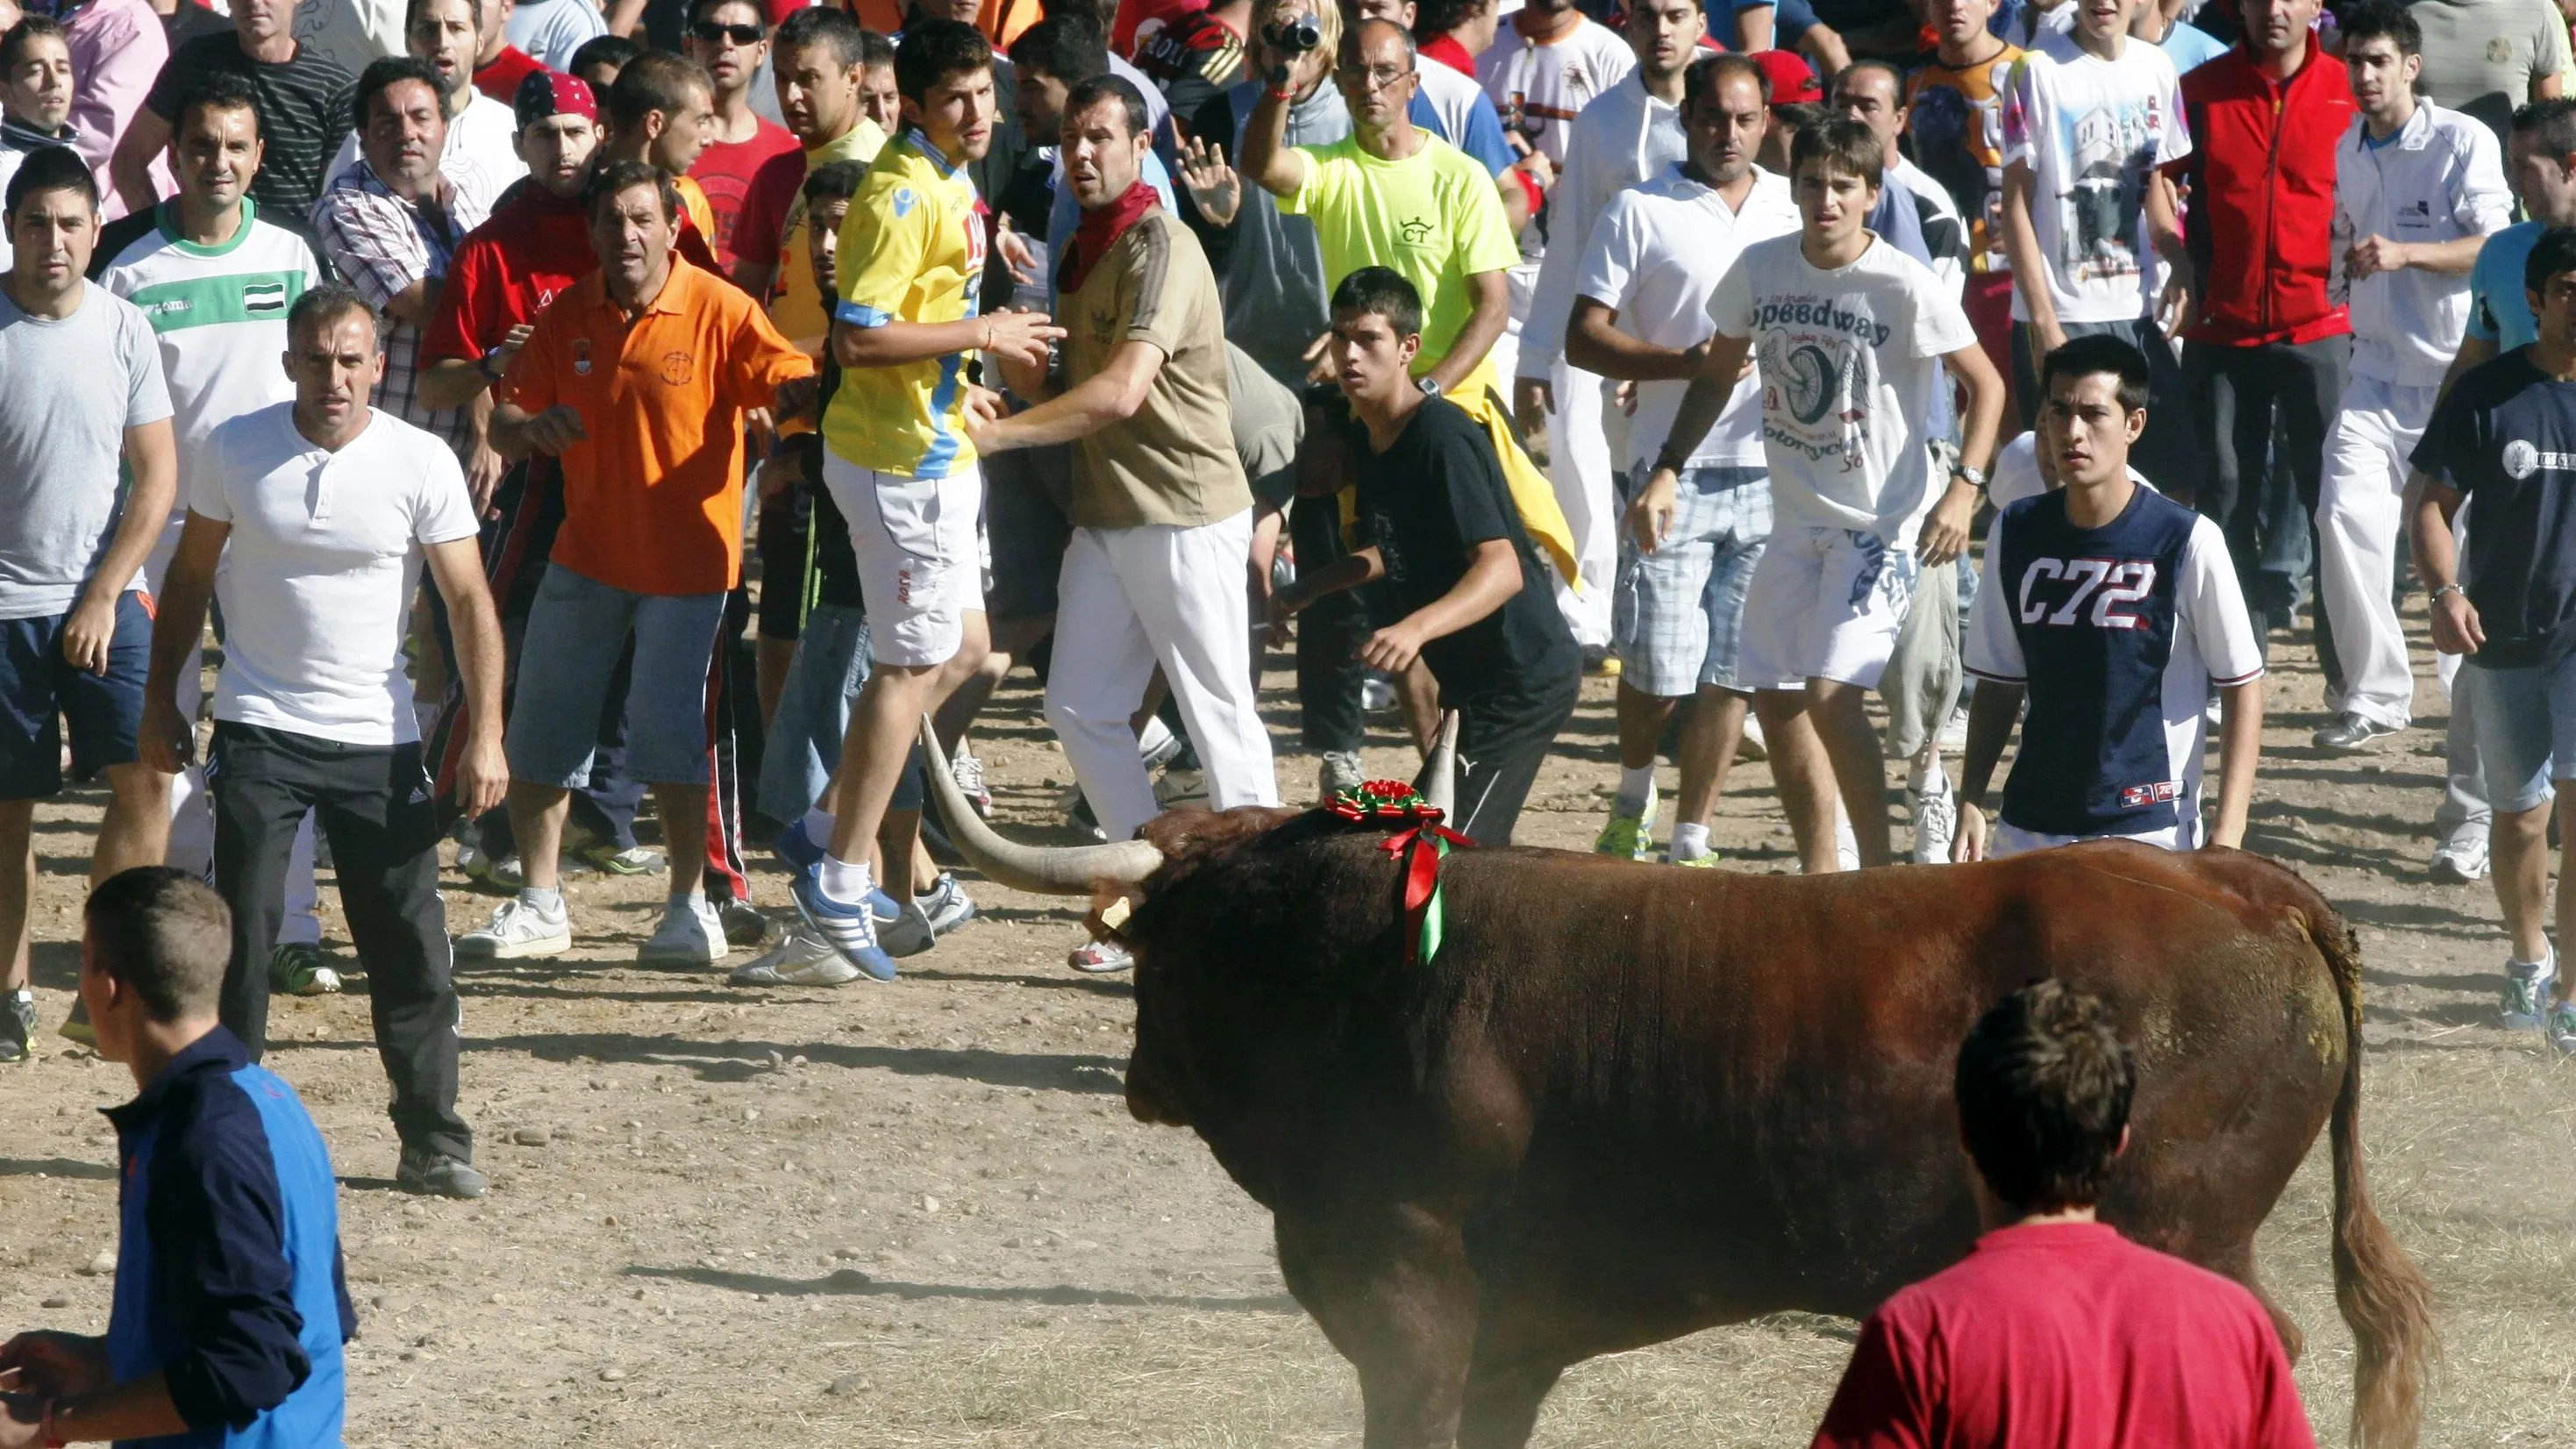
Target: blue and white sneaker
{"type": "Point", "coordinates": [946, 904]}
{"type": "Point", "coordinates": [903, 930]}
{"type": "Point", "coordinates": [798, 850]}
{"type": "Point", "coordinates": [851, 930]}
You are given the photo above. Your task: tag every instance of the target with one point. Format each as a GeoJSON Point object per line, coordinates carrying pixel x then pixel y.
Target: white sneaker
{"type": "Point", "coordinates": [1339, 771]}
{"type": "Point", "coordinates": [1752, 746]}
{"type": "Point", "coordinates": [2461, 859]}
{"type": "Point", "coordinates": [1846, 844]}
{"type": "Point", "coordinates": [1936, 817]}
{"type": "Point", "coordinates": [692, 935]}
{"type": "Point", "coordinates": [1156, 745]}
{"type": "Point", "coordinates": [803, 959]}
{"type": "Point", "coordinates": [969, 775]}
{"type": "Point", "coordinates": [519, 931]}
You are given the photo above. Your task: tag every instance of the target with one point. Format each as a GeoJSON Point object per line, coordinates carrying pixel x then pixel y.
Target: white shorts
{"type": "Point", "coordinates": [1824, 603]}
{"type": "Point", "coordinates": [921, 564]}
{"type": "Point", "coordinates": [2008, 839]}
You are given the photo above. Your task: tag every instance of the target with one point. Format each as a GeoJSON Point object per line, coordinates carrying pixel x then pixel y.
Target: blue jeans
{"type": "Point", "coordinates": [577, 630]}
{"type": "Point", "coordinates": [804, 744]}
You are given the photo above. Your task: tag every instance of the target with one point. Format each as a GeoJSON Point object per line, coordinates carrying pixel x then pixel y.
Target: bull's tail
{"type": "Point", "coordinates": [2384, 1300]}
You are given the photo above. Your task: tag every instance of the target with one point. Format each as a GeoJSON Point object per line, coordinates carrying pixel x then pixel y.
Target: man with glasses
{"type": "Point", "coordinates": [731, 39]}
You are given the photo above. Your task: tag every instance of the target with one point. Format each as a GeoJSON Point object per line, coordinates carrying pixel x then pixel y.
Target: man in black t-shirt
{"type": "Point", "coordinates": [304, 110]}
{"type": "Point", "coordinates": [1470, 598]}
{"type": "Point", "coordinates": [2505, 435]}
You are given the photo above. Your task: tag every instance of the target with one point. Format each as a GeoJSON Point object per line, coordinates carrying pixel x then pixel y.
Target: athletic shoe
{"type": "Point", "coordinates": [744, 924]}
{"type": "Point", "coordinates": [1178, 788]}
{"type": "Point", "coordinates": [795, 849]}
{"type": "Point", "coordinates": [297, 969]}
{"type": "Point", "coordinates": [946, 904]}
{"type": "Point", "coordinates": [1340, 771]}
{"type": "Point", "coordinates": [502, 876]}
{"type": "Point", "coordinates": [968, 772]}
{"type": "Point", "coordinates": [2461, 859]}
{"type": "Point", "coordinates": [1936, 818]}
{"type": "Point", "coordinates": [2526, 996]}
{"type": "Point", "coordinates": [903, 931]}
{"type": "Point", "coordinates": [2562, 1029]}
{"type": "Point", "coordinates": [849, 930]}
{"type": "Point", "coordinates": [1704, 861]}
{"type": "Point", "coordinates": [1100, 958]}
{"type": "Point", "coordinates": [691, 934]}
{"type": "Point", "coordinates": [2349, 732]}
{"type": "Point", "coordinates": [802, 959]}
{"type": "Point", "coordinates": [1631, 836]}
{"type": "Point", "coordinates": [1377, 694]}
{"type": "Point", "coordinates": [435, 1174]}
{"type": "Point", "coordinates": [1752, 746]}
{"type": "Point", "coordinates": [634, 860]}
{"type": "Point", "coordinates": [76, 1027]}
{"type": "Point", "coordinates": [1157, 746]}
{"type": "Point", "coordinates": [1078, 817]}
{"type": "Point", "coordinates": [18, 1027]}
{"type": "Point", "coordinates": [519, 931]}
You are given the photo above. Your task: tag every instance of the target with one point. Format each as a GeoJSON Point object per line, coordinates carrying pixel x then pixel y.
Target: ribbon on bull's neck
{"type": "Point", "coordinates": [1419, 848]}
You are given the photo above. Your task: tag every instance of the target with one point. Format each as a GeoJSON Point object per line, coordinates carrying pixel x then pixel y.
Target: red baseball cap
{"type": "Point", "coordinates": [1793, 81]}
{"type": "Point", "coordinates": [544, 93]}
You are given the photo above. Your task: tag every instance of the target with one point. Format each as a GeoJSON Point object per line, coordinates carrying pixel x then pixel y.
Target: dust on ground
{"type": "Point", "coordinates": [919, 1213]}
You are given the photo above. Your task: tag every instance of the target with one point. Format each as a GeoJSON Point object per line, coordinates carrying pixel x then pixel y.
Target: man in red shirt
{"type": "Point", "coordinates": [499, 66]}
{"type": "Point", "coordinates": [731, 39]}
{"type": "Point", "coordinates": [2056, 1331]}
{"type": "Point", "coordinates": [2270, 339]}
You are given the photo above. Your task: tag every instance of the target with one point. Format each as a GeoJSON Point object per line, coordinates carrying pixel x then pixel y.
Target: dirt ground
{"type": "Point", "coordinates": [919, 1213]}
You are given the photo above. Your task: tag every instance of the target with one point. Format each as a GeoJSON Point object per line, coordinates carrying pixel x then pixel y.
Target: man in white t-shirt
{"type": "Point", "coordinates": [1641, 316]}
{"type": "Point", "coordinates": [1629, 133]}
{"type": "Point", "coordinates": [478, 156]}
{"type": "Point", "coordinates": [216, 279]}
{"type": "Point", "coordinates": [2418, 189]}
{"type": "Point", "coordinates": [2112, 612]}
{"type": "Point", "coordinates": [1852, 338]}
{"type": "Point", "coordinates": [83, 403]}
{"type": "Point", "coordinates": [309, 521]}
{"type": "Point", "coordinates": [2089, 117]}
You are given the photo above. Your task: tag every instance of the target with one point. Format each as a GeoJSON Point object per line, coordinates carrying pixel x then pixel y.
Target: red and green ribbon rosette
{"type": "Point", "coordinates": [1420, 846]}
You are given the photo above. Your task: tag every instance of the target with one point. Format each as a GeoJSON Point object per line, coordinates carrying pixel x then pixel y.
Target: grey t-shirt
{"type": "Point", "coordinates": [2478, 49]}
{"type": "Point", "coordinates": [74, 387]}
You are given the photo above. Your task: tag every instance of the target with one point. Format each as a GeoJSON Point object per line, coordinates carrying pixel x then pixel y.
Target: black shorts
{"type": "Point", "coordinates": [39, 689]}
{"type": "Point", "coordinates": [1025, 529]}
{"type": "Point", "coordinates": [786, 563]}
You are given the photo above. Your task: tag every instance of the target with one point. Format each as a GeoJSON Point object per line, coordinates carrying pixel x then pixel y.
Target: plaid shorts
{"type": "Point", "coordinates": [1677, 613]}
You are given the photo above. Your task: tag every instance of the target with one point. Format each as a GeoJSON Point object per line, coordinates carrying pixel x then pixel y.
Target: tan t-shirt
{"type": "Point", "coordinates": [1174, 462]}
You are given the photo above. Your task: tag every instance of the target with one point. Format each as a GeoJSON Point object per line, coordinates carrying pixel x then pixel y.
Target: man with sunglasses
{"type": "Point", "coordinates": [731, 39]}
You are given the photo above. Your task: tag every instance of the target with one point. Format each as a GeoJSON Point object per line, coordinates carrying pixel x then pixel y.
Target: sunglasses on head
{"type": "Point", "coordinates": [712, 33]}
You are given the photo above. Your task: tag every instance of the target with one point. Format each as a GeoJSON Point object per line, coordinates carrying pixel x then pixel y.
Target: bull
{"type": "Point", "coordinates": [1621, 1104]}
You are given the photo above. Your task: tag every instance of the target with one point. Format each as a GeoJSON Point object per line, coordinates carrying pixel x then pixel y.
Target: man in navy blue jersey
{"type": "Point", "coordinates": [2113, 610]}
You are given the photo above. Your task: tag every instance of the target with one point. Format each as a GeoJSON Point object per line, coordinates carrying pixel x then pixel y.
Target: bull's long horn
{"type": "Point", "coordinates": [1442, 767]}
{"type": "Point", "coordinates": [1053, 870]}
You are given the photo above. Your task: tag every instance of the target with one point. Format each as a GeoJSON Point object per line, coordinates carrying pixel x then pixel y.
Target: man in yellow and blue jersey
{"type": "Point", "coordinates": [897, 461]}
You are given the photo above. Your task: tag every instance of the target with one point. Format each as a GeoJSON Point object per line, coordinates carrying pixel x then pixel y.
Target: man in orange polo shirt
{"type": "Point", "coordinates": [637, 380]}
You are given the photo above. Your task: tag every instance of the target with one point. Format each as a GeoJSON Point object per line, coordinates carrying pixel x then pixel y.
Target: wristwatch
{"type": "Point", "coordinates": [484, 365]}
{"type": "Point", "coordinates": [2435, 596]}
{"type": "Point", "coordinates": [1976, 477]}
{"type": "Point", "coordinates": [1430, 386]}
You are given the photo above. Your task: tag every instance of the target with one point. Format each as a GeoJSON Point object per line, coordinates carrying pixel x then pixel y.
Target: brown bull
{"type": "Point", "coordinates": [1624, 1103]}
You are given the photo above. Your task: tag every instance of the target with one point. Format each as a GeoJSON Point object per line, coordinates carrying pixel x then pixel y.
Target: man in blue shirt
{"type": "Point", "coordinates": [2504, 436]}
{"type": "Point", "coordinates": [2114, 611]}
{"type": "Point", "coordinates": [231, 1306]}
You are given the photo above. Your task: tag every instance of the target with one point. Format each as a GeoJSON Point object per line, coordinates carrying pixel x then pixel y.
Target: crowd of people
{"type": "Point", "coordinates": [487, 377]}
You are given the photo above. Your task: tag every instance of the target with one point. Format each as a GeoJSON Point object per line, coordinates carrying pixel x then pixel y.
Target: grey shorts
{"type": "Point", "coordinates": [1677, 614]}
{"type": "Point", "coordinates": [2526, 720]}
{"type": "Point", "coordinates": [576, 629]}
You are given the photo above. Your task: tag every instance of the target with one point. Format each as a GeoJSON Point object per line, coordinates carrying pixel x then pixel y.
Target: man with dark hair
{"type": "Point", "coordinates": [85, 406]}
{"type": "Point", "coordinates": [499, 66]}
{"type": "Point", "coordinates": [601, 59]}
{"type": "Point", "coordinates": [2113, 612]}
{"type": "Point", "coordinates": [231, 1304]}
{"type": "Point", "coordinates": [322, 512]}
{"type": "Point", "coordinates": [2057, 1329]}
{"type": "Point", "coordinates": [1161, 511]}
{"type": "Point", "coordinates": [390, 222]}
{"type": "Point", "coordinates": [2418, 189]}
{"type": "Point", "coordinates": [731, 39]}
{"type": "Point", "coordinates": [1460, 572]}
{"type": "Point", "coordinates": [237, 272]}
{"type": "Point", "coordinates": [304, 109]}
{"type": "Point", "coordinates": [36, 90]}
{"type": "Point", "coordinates": [477, 154]}
{"type": "Point", "coordinates": [650, 547]}
{"type": "Point", "coordinates": [2505, 437]}
{"type": "Point", "coordinates": [879, 101]}
{"type": "Point", "coordinates": [901, 467]}
{"type": "Point", "coordinates": [817, 60]}
{"type": "Point", "coordinates": [1913, 209]}
{"type": "Point", "coordinates": [661, 111]}
{"type": "Point", "coordinates": [1853, 338]}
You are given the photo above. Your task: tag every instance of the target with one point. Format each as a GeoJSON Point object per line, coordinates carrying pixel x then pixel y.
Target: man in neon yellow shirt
{"type": "Point", "coordinates": [1389, 195]}
{"type": "Point", "coordinates": [898, 462]}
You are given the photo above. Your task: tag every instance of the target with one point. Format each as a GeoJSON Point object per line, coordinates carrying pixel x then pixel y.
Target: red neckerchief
{"type": "Point", "coordinates": [1099, 232]}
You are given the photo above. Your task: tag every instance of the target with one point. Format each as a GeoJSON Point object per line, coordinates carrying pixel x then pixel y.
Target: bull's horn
{"type": "Point", "coordinates": [1442, 768]}
{"type": "Point", "coordinates": [1047, 870]}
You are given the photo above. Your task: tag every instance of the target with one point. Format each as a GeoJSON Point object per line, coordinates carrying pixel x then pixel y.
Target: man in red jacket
{"type": "Point", "coordinates": [2269, 341]}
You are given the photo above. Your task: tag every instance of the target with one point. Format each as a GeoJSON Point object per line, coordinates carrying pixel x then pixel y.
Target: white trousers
{"type": "Point", "coordinates": [1579, 466]}
{"type": "Point", "coordinates": [2359, 501]}
{"type": "Point", "coordinates": [1132, 598]}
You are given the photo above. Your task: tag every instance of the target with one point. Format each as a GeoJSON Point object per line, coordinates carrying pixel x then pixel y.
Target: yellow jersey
{"type": "Point", "coordinates": [911, 250]}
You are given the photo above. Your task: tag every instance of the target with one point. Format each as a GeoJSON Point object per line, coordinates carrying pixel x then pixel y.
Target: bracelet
{"type": "Point", "coordinates": [2435, 596]}
{"type": "Point", "coordinates": [1666, 463]}
{"type": "Point", "coordinates": [987, 344]}
{"type": "Point", "coordinates": [1282, 93]}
